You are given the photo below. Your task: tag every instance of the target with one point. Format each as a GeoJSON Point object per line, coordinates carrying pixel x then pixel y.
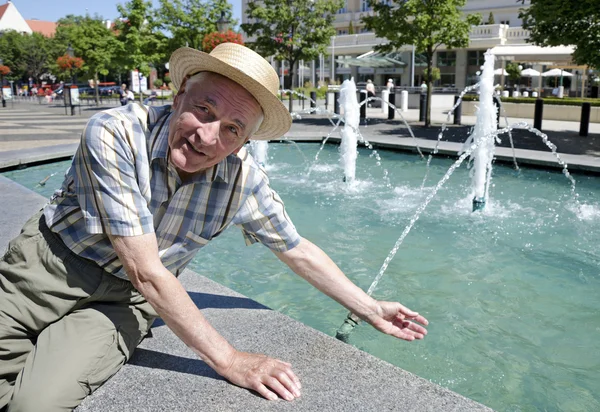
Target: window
{"type": "Point", "coordinates": [342, 32]}
{"type": "Point", "coordinates": [507, 22]}
{"type": "Point", "coordinates": [343, 9]}
{"type": "Point", "coordinates": [447, 79]}
{"type": "Point", "coordinates": [364, 5]}
{"type": "Point", "coordinates": [447, 58]}
{"type": "Point", "coordinates": [364, 30]}
{"type": "Point", "coordinates": [475, 57]}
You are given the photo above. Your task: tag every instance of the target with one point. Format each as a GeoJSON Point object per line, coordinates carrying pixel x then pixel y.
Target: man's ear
{"type": "Point", "coordinates": [180, 92]}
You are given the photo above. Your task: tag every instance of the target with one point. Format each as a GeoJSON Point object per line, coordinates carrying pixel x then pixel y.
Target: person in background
{"type": "Point", "coordinates": [390, 85]}
{"type": "Point", "coordinates": [130, 95]}
{"type": "Point", "coordinates": [423, 87]}
{"type": "Point", "coordinates": [123, 94]}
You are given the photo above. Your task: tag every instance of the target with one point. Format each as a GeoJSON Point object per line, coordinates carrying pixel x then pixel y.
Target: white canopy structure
{"type": "Point", "coordinates": [530, 73]}
{"type": "Point", "coordinates": [556, 73]}
{"type": "Point", "coordinates": [534, 54]}
{"type": "Point", "coordinates": [500, 72]}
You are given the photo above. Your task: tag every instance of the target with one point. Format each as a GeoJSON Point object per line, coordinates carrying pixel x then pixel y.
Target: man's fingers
{"type": "Point", "coordinates": [265, 392]}
{"type": "Point", "coordinates": [407, 324]}
{"type": "Point", "coordinates": [284, 377]}
{"type": "Point", "coordinates": [278, 388]}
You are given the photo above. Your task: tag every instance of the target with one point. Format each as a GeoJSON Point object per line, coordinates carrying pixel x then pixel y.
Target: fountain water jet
{"type": "Point", "coordinates": [483, 135]}
{"type": "Point", "coordinates": [348, 150]}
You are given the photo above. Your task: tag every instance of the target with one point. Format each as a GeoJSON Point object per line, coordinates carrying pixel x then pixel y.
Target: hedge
{"type": "Point", "coordinates": [547, 100]}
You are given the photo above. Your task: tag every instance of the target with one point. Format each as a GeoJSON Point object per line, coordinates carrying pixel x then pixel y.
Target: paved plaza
{"type": "Point", "coordinates": [31, 132]}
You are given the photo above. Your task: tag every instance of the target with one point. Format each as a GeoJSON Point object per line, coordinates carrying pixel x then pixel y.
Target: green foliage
{"type": "Point", "coordinates": [189, 21]}
{"type": "Point", "coordinates": [291, 30]}
{"type": "Point", "coordinates": [143, 44]}
{"type": "Point", "coordinates": [435, 73]}
{"type": "Point", "coordinates": [427, 24]}
{"type": "Point", "coordinates": [350, 28]}
{"type": "Point", "coordinates": [158, 83]}
{"type": "Point", "coordinates": [560, 22]}
{"type": "Point", "coordinates": [35, 55]}
{"type": "Point", "coordinates": [90, 40]}
{"type": "Point", "coordinates": [490, 19]}
{"type": "Point", "coordinates": [514, 73]}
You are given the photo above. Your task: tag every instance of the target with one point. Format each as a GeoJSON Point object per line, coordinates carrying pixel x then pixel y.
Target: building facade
{"type": "Point", "coordinates": [458, 67]}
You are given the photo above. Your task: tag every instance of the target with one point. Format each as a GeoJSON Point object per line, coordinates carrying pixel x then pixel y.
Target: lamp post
{"type": "Point", "coordinates": [70, 53]}
{"type": "Point", "coordinates": [2, 85]}
{"type": "Point", "coordinates": [222, 23]}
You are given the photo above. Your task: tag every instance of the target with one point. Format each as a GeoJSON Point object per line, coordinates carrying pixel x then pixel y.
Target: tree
{"type": "Point", "coordinates": [91, 40]}
{"type": "Point", "coordinates": [11, 50]}
{"type": "Point", "coordinates": [426, 24]}
{"type": "Point", "coordinates": [36, 55]}
{"type": "Point", "coordinates": [138, 32]}
{"type": "Point", "coordinates": [212, 40]}
{"type": "Point", "coordinates": [350, 28]}
{"type": "Point", "coordinates": [559, 22]}
{"type": "Point", "coordinates": [189, 21]}
{"type": "Point", "coordinates": [490, 19]}
{"type": "Point", "coordinates": [291, 30]}
{"type": "Point", "coordinates": [514, 72]}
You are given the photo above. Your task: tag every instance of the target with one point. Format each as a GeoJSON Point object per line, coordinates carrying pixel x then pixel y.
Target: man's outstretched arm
{"type": "Point", "coordinates": [392, 318]}
{"type": "Point", "coordinates": [267, 376]}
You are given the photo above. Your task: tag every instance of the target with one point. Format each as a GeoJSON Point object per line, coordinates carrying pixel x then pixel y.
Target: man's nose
{"type": "Point", "coordinates": [209, 133]}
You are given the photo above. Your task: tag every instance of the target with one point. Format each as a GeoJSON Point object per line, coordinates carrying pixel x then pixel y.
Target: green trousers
{"type": "Point", "coordinates": [66, 326]}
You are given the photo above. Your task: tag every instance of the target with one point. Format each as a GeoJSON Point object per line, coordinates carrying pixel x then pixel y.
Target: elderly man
{"type": "Point", "coordinates": [148, 188]}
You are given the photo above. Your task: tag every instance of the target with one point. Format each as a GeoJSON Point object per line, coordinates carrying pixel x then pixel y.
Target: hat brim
{"type": "Point", "coordinates": [276, 117]}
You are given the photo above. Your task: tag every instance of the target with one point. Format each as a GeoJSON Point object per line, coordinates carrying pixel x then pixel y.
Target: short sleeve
{"type": "Point", "coordinates": [106, 181]}
{"type": "Point", "coordinates": [263, 218]}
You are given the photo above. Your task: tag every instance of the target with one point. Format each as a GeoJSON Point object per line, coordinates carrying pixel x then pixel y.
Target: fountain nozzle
{"type": "Point", "coordinates": [343, 333]}
{"type": "Point", "coordinates": [478, 203]}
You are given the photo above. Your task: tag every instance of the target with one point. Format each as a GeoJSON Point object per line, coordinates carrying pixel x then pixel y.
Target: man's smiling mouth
{"type": "Point", "coordinates": [191, 145]}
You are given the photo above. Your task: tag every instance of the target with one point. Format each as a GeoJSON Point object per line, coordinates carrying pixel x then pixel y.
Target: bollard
{"type": "Point", "coordinates": [497, 104]}
{"type": "Point", "coordinates": [313, 100]}
{"type": "Point", "coordinates": [404, 101]}
{"type": "Point", "coordinates": [585, 119]}
{"type": "Point", "coordinates": [422, 107]}
{"type": "Point", "coordinates": [537, 116]}
{"type": "Point", "coordinates": [336, 102]}
{"type": "Point", "coordinates": [385, 97]}
{"type": "Point", "coordinates": [457, 111]}
{"type": "Point", "coordinates": [391, 110]}
{"type": "Point", "coordinates": [363, 108]}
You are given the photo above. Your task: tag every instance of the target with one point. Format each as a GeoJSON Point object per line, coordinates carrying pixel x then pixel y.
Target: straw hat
{"type": "Point", "coordinates": [245, 67]}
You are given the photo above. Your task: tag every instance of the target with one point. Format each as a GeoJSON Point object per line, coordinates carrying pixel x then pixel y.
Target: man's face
{"type": "Point", "coordinates": [212, 118]}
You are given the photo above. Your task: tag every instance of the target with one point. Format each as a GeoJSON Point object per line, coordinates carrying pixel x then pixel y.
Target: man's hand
{"type": "Point", "coordinates": [310, 262]}
{"type": "Point", "coordinates": [267, 376]}
{"type": "Point", "coordinates": [396, 320]}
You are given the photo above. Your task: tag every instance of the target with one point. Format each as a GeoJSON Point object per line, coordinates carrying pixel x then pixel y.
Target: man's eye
{"type": "Point", "coordinates": [233, 130]}
{"type": "Point", "coordinates": [202, 109]}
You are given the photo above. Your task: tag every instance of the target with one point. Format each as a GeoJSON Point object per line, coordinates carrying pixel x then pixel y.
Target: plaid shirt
{"type": "Point", "coordinates": [120, 183]}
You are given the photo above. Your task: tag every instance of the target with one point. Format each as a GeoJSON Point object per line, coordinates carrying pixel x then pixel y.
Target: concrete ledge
{"type": "Point", "coordinates": [165, 375]}
{"type": "Point", "coordinates": [14, 158]}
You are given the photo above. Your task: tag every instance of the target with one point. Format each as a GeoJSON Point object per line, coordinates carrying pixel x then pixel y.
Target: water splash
{"type": "Point", "coordinates": [259, 149]}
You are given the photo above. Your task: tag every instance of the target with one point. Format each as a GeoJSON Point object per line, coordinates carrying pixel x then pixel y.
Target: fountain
{"type": "Point", "coordinates": [349, 103]}
{"type": "Point", "coordinates": [510, 285]}
{"type": "Point", "coordinates": [483, 136]}
{"type": "Point", "coordinates": [259, 150]}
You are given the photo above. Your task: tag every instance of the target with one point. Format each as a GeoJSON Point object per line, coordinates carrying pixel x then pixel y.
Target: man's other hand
{"type": "Point", "coordinates": [267, 376]}
{"type": "Point", "coordinates": [396, 320]}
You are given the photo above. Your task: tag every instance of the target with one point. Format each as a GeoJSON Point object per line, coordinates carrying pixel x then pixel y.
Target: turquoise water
{"type": "Point", "coordinates": [511, 294]}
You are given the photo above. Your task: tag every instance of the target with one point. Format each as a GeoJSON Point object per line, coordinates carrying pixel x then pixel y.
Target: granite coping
{"type": "Point", "coordinates": [165, 375]}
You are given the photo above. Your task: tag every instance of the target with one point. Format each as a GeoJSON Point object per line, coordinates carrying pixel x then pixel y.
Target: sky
{"type": "Point", "coordinates": [52, 10]}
